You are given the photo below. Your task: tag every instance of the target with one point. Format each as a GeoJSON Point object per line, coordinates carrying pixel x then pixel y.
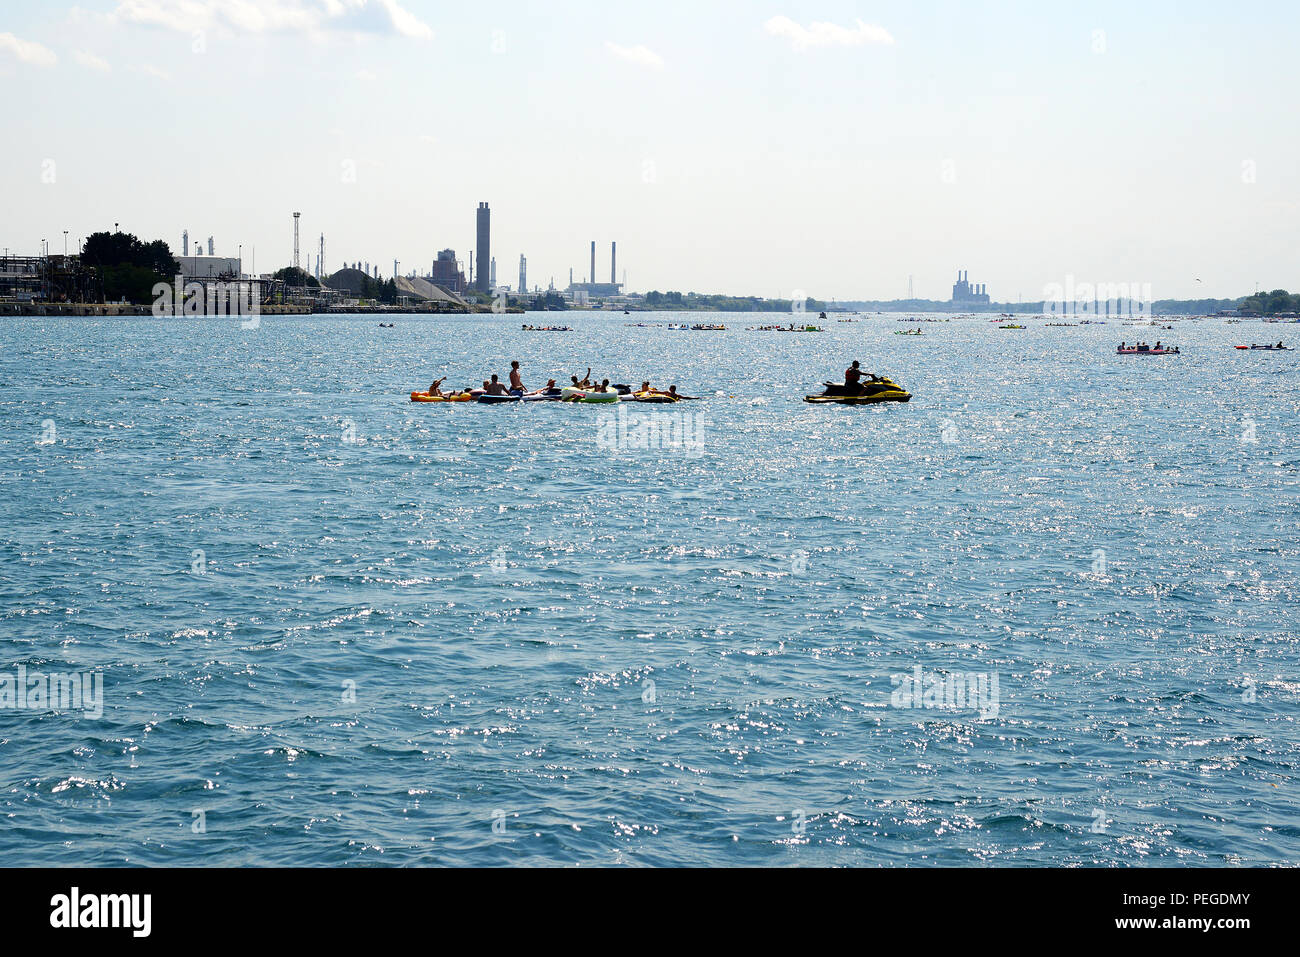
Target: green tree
{"type": "Point", "coordinates": [293, 276]}
{"type": "Point", "coordinates": [126, 267]}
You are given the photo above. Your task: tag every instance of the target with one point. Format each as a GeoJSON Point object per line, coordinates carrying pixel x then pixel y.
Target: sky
{"type": "Point", "coordinates": [832, 148]}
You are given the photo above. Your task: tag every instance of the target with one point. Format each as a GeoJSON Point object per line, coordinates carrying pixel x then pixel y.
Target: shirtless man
{"type": "Point", "coordinates": [496, 388]}
{"type": "Point", "coordinates": [435, 390]}
{"type": "Point", "coordinates": [516, 382]}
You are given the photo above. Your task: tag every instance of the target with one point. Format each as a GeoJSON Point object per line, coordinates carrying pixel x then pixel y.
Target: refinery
{"type": "Point", "coordinates": [77, 283]}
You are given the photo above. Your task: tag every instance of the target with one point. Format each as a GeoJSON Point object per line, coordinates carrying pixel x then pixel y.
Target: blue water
{"type": "Point", "coordinates": [619, 656]}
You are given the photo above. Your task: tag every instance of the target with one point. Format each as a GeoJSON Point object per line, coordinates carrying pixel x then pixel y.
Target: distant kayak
{"type": "Point", "coordinates": [1267, 348]}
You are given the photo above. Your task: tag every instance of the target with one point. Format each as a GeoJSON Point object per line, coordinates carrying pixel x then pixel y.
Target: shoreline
{"type": "Point", "coordinates": [117, 310]}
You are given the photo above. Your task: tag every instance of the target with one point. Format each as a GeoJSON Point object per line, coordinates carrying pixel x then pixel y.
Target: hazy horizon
{"type": "Point", "coordinates": [832, 148]}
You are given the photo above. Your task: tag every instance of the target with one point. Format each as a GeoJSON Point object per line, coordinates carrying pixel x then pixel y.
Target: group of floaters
{"type": "Point", "coordinates": [1146, 349]}
{"type": "Point", "coordinates": [1160, 349]}
{"type": "Point", "coordinates": [583, 390]}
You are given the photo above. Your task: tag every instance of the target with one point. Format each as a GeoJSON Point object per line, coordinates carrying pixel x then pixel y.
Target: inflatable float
{"type": "Point", "coordinates": [585, 395]}
{"type": "Point", "coordinates": [425, 397]}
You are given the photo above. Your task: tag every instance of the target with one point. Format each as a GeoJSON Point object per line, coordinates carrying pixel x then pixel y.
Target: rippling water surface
{"type": "Point", "coordinates": [482, 636]}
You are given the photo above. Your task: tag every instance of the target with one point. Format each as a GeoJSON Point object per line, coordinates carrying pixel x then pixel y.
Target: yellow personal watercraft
{"type": "Point", "coordinates": [868, 393]}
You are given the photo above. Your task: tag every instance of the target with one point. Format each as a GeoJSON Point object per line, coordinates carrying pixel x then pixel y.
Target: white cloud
{"type": "Point", "coordinates": [276, 16]}
{"type": "Point", "coordinates": [92, 62]}
{"type": "Point", "coordinates": [150, 71]}
{"type": "Point", "coordinates": [365, 76]}
{"type": "Point", "coordinates": [640, 55]}
{"type": "Point", "coordinates": [27, 51]}
{"type": "Point", "coordinates": [828, 34]}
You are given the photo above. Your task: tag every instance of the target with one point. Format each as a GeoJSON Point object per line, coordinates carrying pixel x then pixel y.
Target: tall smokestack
{"type": "Point", "coordinates": [592, 274]}
{"type": "Point", "coordinates": [484, 258]}
{"type": "Point", "coordinates": [613, 264]}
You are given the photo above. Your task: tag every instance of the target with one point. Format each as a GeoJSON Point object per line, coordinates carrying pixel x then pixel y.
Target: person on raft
{"type": "Point", "coordinates": [435, 390]}
{"type": "Point", "coordinates": [495, 387]}
{"type": "Point", "coordinates": [516, 381]}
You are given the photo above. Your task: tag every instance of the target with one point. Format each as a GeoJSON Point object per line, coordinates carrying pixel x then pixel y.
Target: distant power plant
{"type": "Point", "coordinates": [963, 293]}
{"type": "Point", "coordinates": [599, 289]}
